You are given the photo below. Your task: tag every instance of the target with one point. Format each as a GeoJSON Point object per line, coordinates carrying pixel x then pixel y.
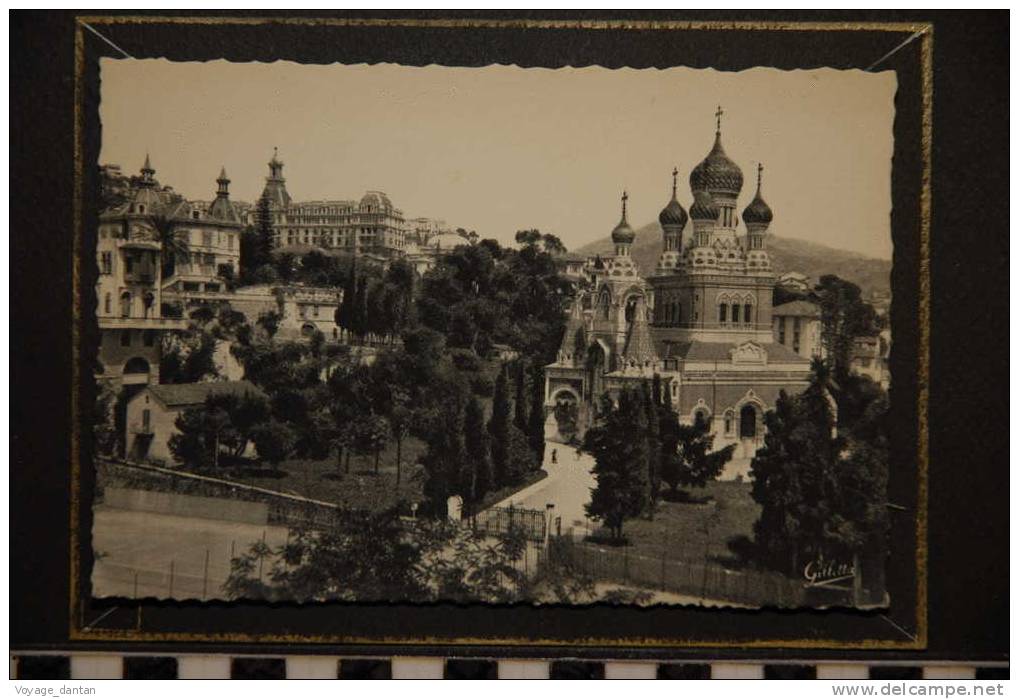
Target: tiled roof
{"type": "Point", "coordinates": [223, 210]}
{"type": "Point", "coordinates": [697, 351]}
{"type": "Point", "coordinates": [182, 394]}
{"type": "Point", "coordinates": [797, 308]}
{"type": "Point", "coordinates": [639, 345]}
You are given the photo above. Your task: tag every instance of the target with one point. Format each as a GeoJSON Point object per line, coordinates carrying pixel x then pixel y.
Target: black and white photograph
{"type": "Point", "coordinates": [498, 335]}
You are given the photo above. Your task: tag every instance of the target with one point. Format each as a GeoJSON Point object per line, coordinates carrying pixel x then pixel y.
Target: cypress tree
{"type": "Point", "coordinates": [536, 424]}
{"type": "Point", "coordinates": [499, 428]}
{"type": "Point", "coordinates": [654, 443]}
{"type": "Point", "coordinates": [619, 446]}
{"type": "Point", "coordinates": [345, 313]}
{"type": "Point", "coordinates": [360, 311]}
{"type": "Point", "coordinates": [479, 459]}
{"type": "Point", "coordinates": [520, 401]}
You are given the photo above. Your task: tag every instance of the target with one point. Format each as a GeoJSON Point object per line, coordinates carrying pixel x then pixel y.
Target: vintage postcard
{"type": "Point", "coordinates": [495, 335]}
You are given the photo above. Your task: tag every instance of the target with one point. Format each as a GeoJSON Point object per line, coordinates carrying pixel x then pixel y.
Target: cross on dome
{"type": "Point", "coordinates": [718, 119]}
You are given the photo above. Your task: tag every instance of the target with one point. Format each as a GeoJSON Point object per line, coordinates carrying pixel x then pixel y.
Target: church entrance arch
{"type": "Point", "coordinates": [566, 413]}
{"type": "Point", "coordinates": [748, 422]}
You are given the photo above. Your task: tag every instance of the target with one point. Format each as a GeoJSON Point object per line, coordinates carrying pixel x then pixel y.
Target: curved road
{"type": "Point", "coordinates": [567, 486]}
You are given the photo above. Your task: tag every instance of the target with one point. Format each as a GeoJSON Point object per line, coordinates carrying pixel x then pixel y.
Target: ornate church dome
{"type": "Point", "coordinates": [673, 214]}
{"type": "Point", "coordinates": [622, 233]}
{"type": "Point", "coordinates": [716, 173]}
{"type": "Point", "coordinates": [703, 208]}
{"type": "Point", "coordinates": [757, 211]}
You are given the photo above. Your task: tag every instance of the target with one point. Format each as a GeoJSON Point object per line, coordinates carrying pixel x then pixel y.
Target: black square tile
{"type": "Point", "coordinates": [365, 669]}
{"type": "Point", "coordinates": [44, 667]}
{"type": "Point", "coordinates": [895, 672]}
{"type": "Point", "coordinates": [471, 670]}
{"type": "Point", "coordinates": [258, 669]}
{"type": "Point", "coordinates": [576, 670]}
{"type": "Point", "coordinates": [790, 672]}
{"type": "Point", "coordinates": [150, 668]}
{"type": "Point", "coordinates": [684, 671]}
{"type": "Point", "coordinates": [992, 673]}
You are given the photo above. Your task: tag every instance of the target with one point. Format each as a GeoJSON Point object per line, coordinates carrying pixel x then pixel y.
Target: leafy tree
{"type": "Point", "coordinates": [844, 316]}
{"type": "Point", "coordinates": [822, 495]}
{"type": "Point", "coordinates": [264, 274]}
{"type": "Point", "coordinates": [552, 244]}
{"type": "Point", "coordinates": [189, 444]}
{"type": "Point", "coordinates": [274, 441]}
{"type": "Point", "coordinates": [619, 446]}
{"type": "Point", "coordinates": [104, 430]}
{"type": "Point", "coordinates": [399, 416]}
{"type": "Point", "coordinates": [188, 359]}
{"type": "Point", "coordinates": [269, 321]}
{"type": "Point", "coordinates": [688, 460]}
{"type": "Point", "coordinates": [200, 433]}
{"type": "Point", "coordinates": [530, 237]}
{"type": "Point", "coordinates": [499, 428]}
{"type": "Point", "coordinates": [476, 444]}
{"type": "Point", "coordinates": [362, 557]}
{"type": "Point", "coordinates": [369, 434]}
{"type": "Point", "coordinates": [378, 557]}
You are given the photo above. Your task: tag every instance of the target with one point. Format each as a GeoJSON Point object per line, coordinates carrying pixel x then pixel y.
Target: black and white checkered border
{"type": "Point", "coordinates": [58, 665]}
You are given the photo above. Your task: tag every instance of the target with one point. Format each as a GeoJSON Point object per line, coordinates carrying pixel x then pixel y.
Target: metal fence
{"type": "Point", "coordinates": [501, 520]}
{"type": "Point", "coordinates": [703, 580]}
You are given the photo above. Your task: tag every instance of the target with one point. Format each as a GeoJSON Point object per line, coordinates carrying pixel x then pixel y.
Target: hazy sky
{"type": "Point", "coordinates": [499, 149]}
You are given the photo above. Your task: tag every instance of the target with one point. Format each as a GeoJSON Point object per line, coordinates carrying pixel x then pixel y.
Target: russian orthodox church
{"type": "Point", "coordinates": [702, 320]}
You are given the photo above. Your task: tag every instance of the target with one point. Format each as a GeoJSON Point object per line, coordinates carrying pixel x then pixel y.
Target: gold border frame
{"type": "Point", "coordinates": [925, 30]}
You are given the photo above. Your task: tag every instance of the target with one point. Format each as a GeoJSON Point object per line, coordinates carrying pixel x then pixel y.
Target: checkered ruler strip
{"type": "Point", "coordinates": [55, 666]}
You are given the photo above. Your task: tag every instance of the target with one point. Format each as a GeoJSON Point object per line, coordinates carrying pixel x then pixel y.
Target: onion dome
{"type": "Point", "coordinates": [757, 211]}
{"type": "Point", "coordinates": [703, 208]}
{"type": "Point", "coordinates": [673, 214]}
{"type": "Point", "coordinates": [622, 233]}
{"type": "Point", "coordinates": [716, 173]}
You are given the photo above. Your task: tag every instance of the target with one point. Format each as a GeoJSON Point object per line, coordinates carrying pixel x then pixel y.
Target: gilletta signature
{"type": "Point", "coordinates": [821, 572]}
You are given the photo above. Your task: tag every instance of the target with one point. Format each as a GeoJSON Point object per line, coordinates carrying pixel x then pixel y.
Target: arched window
{"type": "Point", "coordinates": [125, 304]}
{"type": "Point", "coordinates": [728, 421]}
{"type": "Point", "coordinates": [748, 313]}
{"type": "Point", "coordinates": [148, 299]}
{"type": "Point", "coordinates": [677, 313]}
{"type": "Point", "coordinates": [721, 312]}
{"type": "Point", "coordinates": [700, 418]}
{"type": "Point", "coordinates": [735, 313]}
{"type": "Point", "coordinates": [108, 304]}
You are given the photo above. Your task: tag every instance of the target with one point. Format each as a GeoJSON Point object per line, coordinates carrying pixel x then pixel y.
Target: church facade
{"type": "Point", "coordinates": [702, 321]}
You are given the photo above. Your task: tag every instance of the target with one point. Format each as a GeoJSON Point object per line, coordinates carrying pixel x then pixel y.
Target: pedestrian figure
{"type": "Point", "coordinates": [554, 457]}
{"type": "Point", "coordinates": [578, 453]}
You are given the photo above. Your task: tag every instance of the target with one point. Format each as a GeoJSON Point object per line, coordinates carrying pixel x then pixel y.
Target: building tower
{"type": "Point", "coordinates": [673, 220]}
{"type": "Point", "coordinates": [720, 288]}
{"type": "Point", "coordinates": [276, 187]}
{"type": "Point", "coordinates": [622, 235]}
{"type": "Point", "coordinates": [757, 218]}
{"type": "Point", "coordinates": [221, 208]}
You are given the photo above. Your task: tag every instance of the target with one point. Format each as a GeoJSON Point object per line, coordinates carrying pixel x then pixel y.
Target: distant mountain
{"type": "Point", "coordinates": [787, 255]}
